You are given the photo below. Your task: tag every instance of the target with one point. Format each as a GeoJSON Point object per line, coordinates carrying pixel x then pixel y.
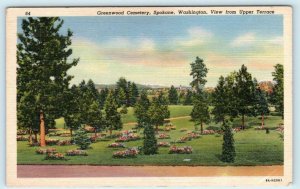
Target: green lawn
{"type": "Point", "coordinates": [253, 147]}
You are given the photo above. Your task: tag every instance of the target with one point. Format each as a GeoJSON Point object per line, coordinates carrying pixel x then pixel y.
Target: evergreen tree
{"type": "Point", "coordinates": [103, 95]}
{"type": "Point", "coordinates": [220, 101]}
{"type": "Point", "coordinates": [133, 94]}
{"type": "Point", "coordinates": [188, 98]}
{"type": "Point", "coordinates": [42, 54]}
{"type": "Point", "coordinates": [81, 139]}
{"type": "Point", "coordinates": [198, 72]}
{"type": "Point", "coordinates": [71, 114]}
{"type": "Point", "coordinates": [278, 96]}
{"type": "Point", "coordinates": [245, 94]}
{"type": "Point", "coordinates": [200, 111]}
{"type": "Point", "coordinates": [112, 116]}
{"type": "Point", "coordinates": [228, 149]}
{"type": "Point", "coordinates": [141, 109]}
{"type": "Point", "coordinates": [122, 97]}
{"type": "Point", "coordinates": [173, 95]}
{"type": "Point", "coordinates": [158, 112]}
{"type": "Point", "coordinates": [261, 106]}
{"type": "Point", "coordinates": [150, 142]}
{"type": "Point", "coordinates": [181, 97]}
{"type": "Point", "coordinates": [94, 117]}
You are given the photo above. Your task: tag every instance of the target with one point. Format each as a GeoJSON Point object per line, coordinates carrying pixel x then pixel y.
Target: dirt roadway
{"type": "Point", "coordinates": [44, 171]}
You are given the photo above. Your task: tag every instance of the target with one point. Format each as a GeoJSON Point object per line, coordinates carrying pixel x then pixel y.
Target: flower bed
{"type": "Point", "coordinates": [94, 138]}
{"type": "Point", "coordinates": [22, 138]}
{"type": "Point", "coordinates": [193, 135]}
{"type": "Point", "coordinates": [163, 144]}
{"type": "Point", "coordinates": [163, 136]}
{"type": "Point", "coordinates": [181, 150]}
{"type": "Point", "coordinates": [76, 153]}
{"type": "Point", "coordinates": [89, 129]}
{"type": "Point", "coordinates": [45, 150]}
{"type": "Point", "coordinates": [116, 145]}
{"type": "Point", "coordinates": [130, 137]}
{"type": "Point", "coordinates": [55, 156]}
{"type": "Point", "coordinates": [64, 143]}
{"type": "Point", "coordinates": [52, 141]}
{"type": "Point", "coordinates": [208, 132]}
{"type": "Point", "coordinates": [129, 153]}
{"type": "Point", "coordinates": [184, 139]}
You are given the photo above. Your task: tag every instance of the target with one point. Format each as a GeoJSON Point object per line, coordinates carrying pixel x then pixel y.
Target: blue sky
{"type": "Point", "coordinates": [158, 49]}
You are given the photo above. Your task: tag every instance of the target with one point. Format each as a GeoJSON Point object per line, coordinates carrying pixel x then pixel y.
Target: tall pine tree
{"type": "Point", "coordinates": [112, 116]}
{"type": "Point", "coordinates": [43, 57]}
{"type": "Point", "coordinates": [245, 94]}
{"type": "Point", "coordinates": [150, 142]}
{"type": "Point", "coordinates": [200, 112]}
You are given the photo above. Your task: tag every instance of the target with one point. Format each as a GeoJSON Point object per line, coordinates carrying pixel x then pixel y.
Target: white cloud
{"type": "Point", "coordinates": [196, 36]}
{"type": "Point", "coordinates": [247, 39]}
{"type": "Point", "coordinates": [278, 40]}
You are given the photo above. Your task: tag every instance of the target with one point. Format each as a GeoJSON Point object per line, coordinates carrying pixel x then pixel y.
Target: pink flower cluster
{"type": "Point", "coordinates": [55, 156]}
{"type": "Point", "coordinates": [193, 135]}
{"type": "Point", "coordinates": [208, 132]}
{"type": "Point", "coordinates": [116, 145]}
{"type": "Point", "coordinates": [237, 129]}
{"type": "Point", "coordinates": [129, 137]}
{"type": "Point", "coordinates": [181, 150]}
{"type": "Point", "coordinates": [163, 144]}
{"type": "Point", "coordinates": [184, 139]}
{"type": "Point", "coordinates": [64, 143]}
{"type": "Point", "coordinates": [45, 151]}
{"type": "Point", "coordinates": [22, 138]}
{"type": "Point", "coordinates": [76, 153]}
{"type": "Point", "coordinates": [163, 136]}
{"type": "Point", "coordinates": [129, 153]}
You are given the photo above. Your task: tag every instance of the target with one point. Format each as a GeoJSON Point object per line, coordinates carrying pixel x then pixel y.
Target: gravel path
{"type": "Point", "coordinates": [30, 171]}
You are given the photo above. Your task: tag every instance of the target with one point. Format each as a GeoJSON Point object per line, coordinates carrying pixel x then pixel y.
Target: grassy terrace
{"type": "Point", "coordinates": [253, 147]}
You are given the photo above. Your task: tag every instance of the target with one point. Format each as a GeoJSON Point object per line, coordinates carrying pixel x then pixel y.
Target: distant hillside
{"type": "Point", "coordinates": [139, 86]}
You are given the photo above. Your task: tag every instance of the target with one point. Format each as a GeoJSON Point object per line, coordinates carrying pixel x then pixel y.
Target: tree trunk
{"type": "Point", "coordinates": [95, 133]}
{"type": "Point", "coordinates": [42, 129]}
{"type": "Point", "coordinates": [35, 137]}
{"type": "Point", "coordinates": [156, 128]}
{"type": "Point", "coordinates": [201, 127]}
{"type": "Point", "coordinates": [262, 120]}
{"type": "Point", "coordinates": [71, 132]}
{"type": "Point", "coordinates": [110, 132]}
{"type": "Point", "coordinates": [30, 136]}
{"type": "Point", "coordinates": [243, 122]}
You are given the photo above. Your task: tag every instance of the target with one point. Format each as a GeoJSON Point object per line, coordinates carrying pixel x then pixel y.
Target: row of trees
{"type": "Point", "coordinates": [236, 95]}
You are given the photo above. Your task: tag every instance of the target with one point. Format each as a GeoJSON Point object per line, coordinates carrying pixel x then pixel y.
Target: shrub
{"type": "Point", "coordinates": [181, 150]}
{"type": "Point", "coordinates": [228, 149]}
{"type": "Point", "coordinates": [163, 136]}
{"type": "Point", "coordinates": [163, 144]}
{"type": "Point", "coordinates": [150, 142]}
{"type": "Point", "coordinates": [208, 132]}
{"type": "Point", "coordinates": [52, 142]}
{"type": "Point", "coordinates": [129, 153]}
{"type": "Point", "coordinates": [76, 153]}
{"type": "Point", "coordinates": [64, 143]}
{"type": "Point", "coordinates": [22, 138]}
{"type": "Point", "coordinates": [22, 132]}
{"type": "Point", "coordinates": [55, 156]}
{"type": "Point", "coordinates": [81, 139]}
{"type": "Point", "coordinates": [130, 137]}
{"type": "Point", "coordinates": [45, 151]}
{"type": "Point", "coordinates": [116, 145]}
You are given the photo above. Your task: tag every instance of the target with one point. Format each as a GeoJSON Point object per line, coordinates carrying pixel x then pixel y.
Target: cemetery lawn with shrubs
{"type": "Point", "coordinates": [253, 147]}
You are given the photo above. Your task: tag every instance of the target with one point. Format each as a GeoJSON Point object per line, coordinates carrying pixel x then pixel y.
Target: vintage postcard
{"type": "Point", "coordinates": [149, 96]}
